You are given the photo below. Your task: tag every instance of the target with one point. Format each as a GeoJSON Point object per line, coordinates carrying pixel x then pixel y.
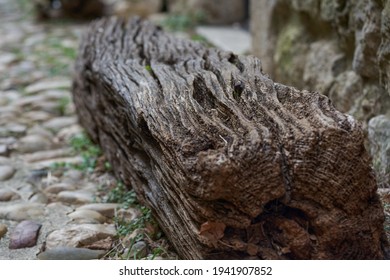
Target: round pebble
{"type": "Point", "coordinates": [106, 209]}
{"type": "Point", "coordinates": [4, 151]}
{"type": "Point", "coordinates": [127, 215]}
{"type": "Point", "coordinates": [33, 143]}
{"type": "Point", "coordinates": [87, 217]}
{"type": "Point", "coordinates": [70, 253]}
{"type": "Point", "coordinates": [73, 175]}
{"type": "Point", "coordinates": [8, 195]}
{"type": "Point", "coordinates": [48, 84]}
{"type": "Point", "coordinates": [22, 211]}
{"type": "Point", "coordinates": [59, 187]}
{"type": "Point", "coordinates": [39, 130]}
{"type": "Point", "coordinates": [37, 116]}
{"type": "Point", "coordinates": [39, 198]}
{"type": "Point", "coordinates": [75, 197]}
{"type": "Point", "coordinates": [3, 230]}
{"type": "Point", "coordinates": [56, 124]}
{"type": "Point", "coordinates": [6, 172]}
{"type": "Point", "coordinates": [17, 129]}
{"type": "Point", "coordinates": [77, 235]}
{"type": "Point", "coordinates": [139, 250]}
{"type": "Point", "coordinates": [24, 235]}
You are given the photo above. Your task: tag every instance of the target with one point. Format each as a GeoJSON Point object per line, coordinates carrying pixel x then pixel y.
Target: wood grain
{"type": "Point", "coordinates": [233, 165]}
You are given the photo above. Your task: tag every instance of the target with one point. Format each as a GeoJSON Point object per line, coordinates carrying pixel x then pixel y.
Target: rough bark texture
{"type": "Point", "coordinates": [232, 164]}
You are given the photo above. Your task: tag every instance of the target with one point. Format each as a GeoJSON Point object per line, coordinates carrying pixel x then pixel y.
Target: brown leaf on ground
{"type": "Point", "coordinates": [103, 244]}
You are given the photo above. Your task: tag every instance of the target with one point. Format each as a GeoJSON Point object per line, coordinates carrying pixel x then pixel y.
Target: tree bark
{"type": "Point", "coordinates": [233, 165]}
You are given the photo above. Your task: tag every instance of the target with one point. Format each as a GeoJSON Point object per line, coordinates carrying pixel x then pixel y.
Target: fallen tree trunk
{"type": "Point", "coordinates": [232, 164]}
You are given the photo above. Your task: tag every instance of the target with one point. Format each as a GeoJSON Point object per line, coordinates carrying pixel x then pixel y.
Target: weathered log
{"type": "Point", "coordinates": [232, 164]}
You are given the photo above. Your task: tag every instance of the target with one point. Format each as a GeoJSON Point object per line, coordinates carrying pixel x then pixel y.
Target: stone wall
{"type": "Point", "coordinates": [340, 48]}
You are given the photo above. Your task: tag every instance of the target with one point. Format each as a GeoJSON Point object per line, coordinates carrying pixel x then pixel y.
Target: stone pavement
{"type": "Point", "coordinates": [52, 200]}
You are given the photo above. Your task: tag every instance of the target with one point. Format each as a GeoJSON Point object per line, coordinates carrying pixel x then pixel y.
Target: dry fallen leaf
{"type": "Point", "coordinates": [103, 244]}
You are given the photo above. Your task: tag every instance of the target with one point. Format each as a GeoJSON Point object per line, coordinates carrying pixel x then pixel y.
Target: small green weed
{"type": "Point", "coordinates": [62, 104]}
{"type": "Point", "coordinates": [88, 151]}
{"type": "Point", "coordinates": [119, 194]}
{"type": "Point", "coordinates": [82, 144]}
{"type": "Point", "coordinates": [126, 228]}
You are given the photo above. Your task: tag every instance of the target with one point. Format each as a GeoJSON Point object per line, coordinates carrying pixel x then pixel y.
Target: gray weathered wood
{"type": "Point", "coordinates": [232, 164]}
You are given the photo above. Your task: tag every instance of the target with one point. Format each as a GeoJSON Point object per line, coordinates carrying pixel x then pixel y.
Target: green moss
{"type": "Point", "coordinates": [148, 68]}
{"type": "Point", "coordinates": [291, 47]}
{"type": "Point", "coordinates": [288, 37]}
{"type": "Point", "coordinates": [62, 104]}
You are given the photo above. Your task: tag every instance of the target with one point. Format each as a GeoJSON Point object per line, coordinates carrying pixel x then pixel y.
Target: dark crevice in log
{"type": "Point", "coordinates": [232, 164]}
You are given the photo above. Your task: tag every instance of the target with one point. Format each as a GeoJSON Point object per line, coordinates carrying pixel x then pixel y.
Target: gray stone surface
{"type": "Point", "coordinates": [87, 217]}
{"type": "Point", "coordinates": [25, 234]}
{"type": "Point", "coordinates": [48, 84]}
{"type": "Point", "coordinates": [71, 253]}
{"type": "Point", "coordinates": [79, 235]}
{"type": "Point", "coordinates": [75, 197]}
{"type": "Point", "coordinates": [138, 250]}
{"type": "Point", "coordinates": [56, 124]}
{"type": "Point", "coordinates": [45, 155]}
{"type": "Point", "coordinates": [228, 38]}
{"type": "Point", "coordinates": [106, 209]}
{"type": "Point", "coordinates": [33, 143]}
{"type": "Point", "coordinates": [317, 45]}
{"type": "Point", "coordinates": [379, 137]}
{"type": "Point", "coordinates": [8, 195]}
{"type": "Point", "coordinates": [59, 187]}
{"type": "Point", "coordinates": [324, 62]}
{"type": "Point", "coordinates": [22, 211]}
{"type": "Point", "coordinates": [6, 172]}
{"type": "Point", "coordinates": [346, 90]}
{"type": "Point", "coordinates": [4, 151]}
{"type": "Point", "coordinates": [39, 198]}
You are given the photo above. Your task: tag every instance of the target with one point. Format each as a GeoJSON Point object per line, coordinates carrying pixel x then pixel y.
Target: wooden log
{"type": "Point", "coordinates": [233, 165]}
